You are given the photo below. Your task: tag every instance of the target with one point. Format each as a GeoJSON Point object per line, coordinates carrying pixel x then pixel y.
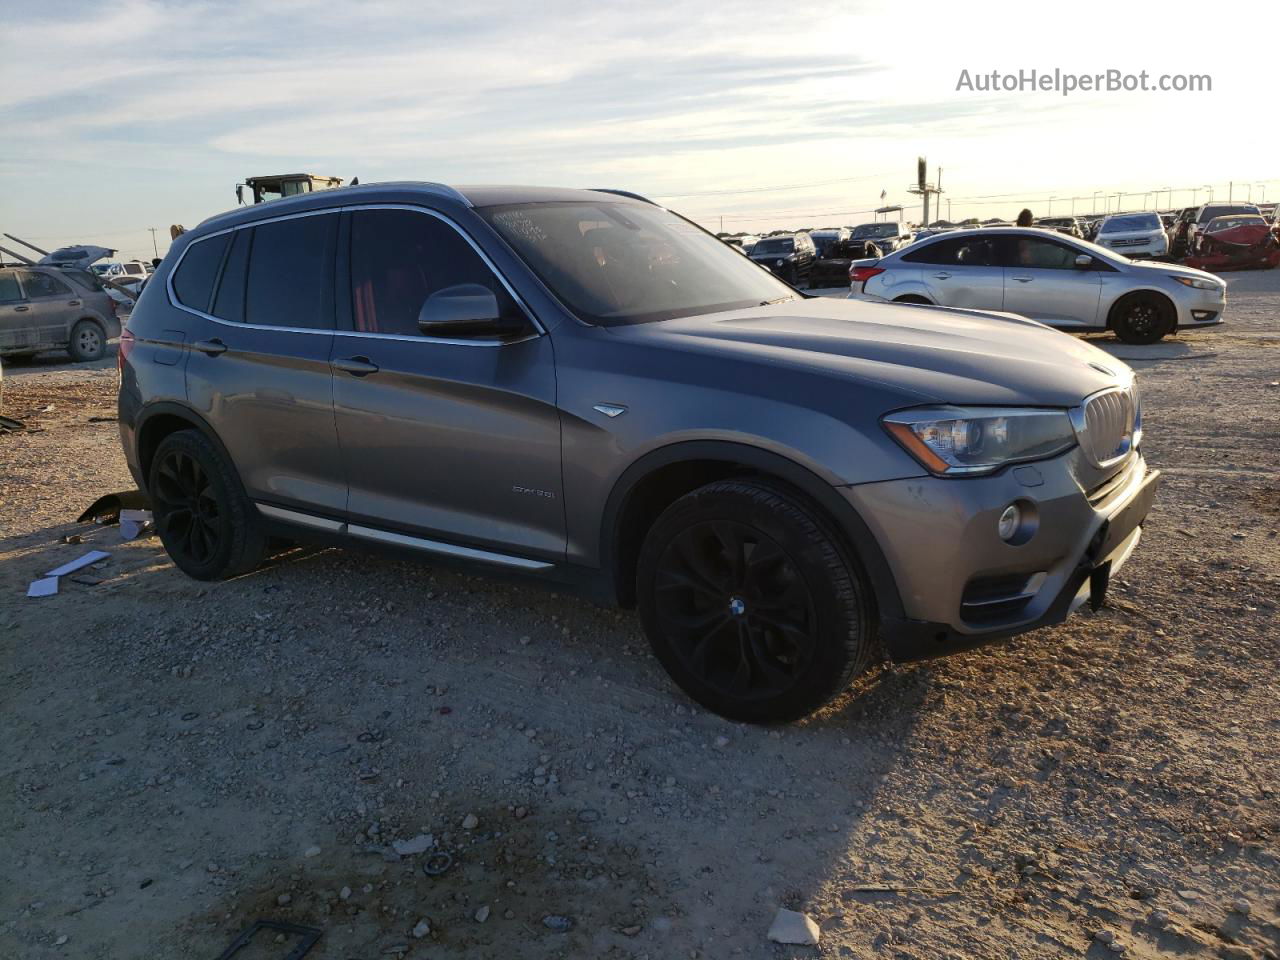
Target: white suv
{"type": "Point", "coordinates": [1134, 235]}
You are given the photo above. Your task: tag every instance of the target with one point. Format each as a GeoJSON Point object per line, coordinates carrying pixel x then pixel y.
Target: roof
{"type": "Point", "coordinates": [411, 191]}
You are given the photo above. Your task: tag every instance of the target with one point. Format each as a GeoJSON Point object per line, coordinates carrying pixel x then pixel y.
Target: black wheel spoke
{"type": "Point", "coordinates": [186, 508]}
{"type": "Point", "coordinates": [735, 608]}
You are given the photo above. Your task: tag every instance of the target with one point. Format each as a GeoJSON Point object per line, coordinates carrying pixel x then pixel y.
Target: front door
{"type": "Point", "coordinates": [449, 440]}
{"type": "Point", "coordinates": [1042, 281]}
{"type": "Point", "coordinates": [17, 324]}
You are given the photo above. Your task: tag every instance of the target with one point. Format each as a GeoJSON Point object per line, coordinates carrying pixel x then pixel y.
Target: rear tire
{"type": "Point", "coordinates": [751, 603]}
{"type": "Point", "coordinates": [88, 342]}
{"type": "Point", "coordinates": [207, 524]}
{"type": "Point", "coordinates": [1142, 318]}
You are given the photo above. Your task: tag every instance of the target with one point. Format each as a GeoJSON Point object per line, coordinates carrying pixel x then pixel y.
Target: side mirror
{"type": "Point", "coordinates": [1084, 261]}
{"type": "Point", "coordinates": [465, 310]}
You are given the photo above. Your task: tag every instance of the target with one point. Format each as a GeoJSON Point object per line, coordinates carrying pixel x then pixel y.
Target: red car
{"type": "Point", "coordinates": [1237, 242]}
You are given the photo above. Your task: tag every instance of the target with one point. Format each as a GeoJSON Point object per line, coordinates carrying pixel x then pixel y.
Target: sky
{"type": "Point", "coordinates": [122, 116]}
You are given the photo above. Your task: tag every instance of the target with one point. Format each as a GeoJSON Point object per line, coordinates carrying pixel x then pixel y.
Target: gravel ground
{"type": "Point", "coordinates": [182, 759]}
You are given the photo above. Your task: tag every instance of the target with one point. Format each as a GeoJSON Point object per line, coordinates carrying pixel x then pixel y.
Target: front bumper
{"type": "Point", "coordinates": [962, 585]}
{"type": "Point", "coordinates": [1200, 308]}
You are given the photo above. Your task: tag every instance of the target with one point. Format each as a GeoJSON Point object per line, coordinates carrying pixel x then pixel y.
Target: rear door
{"type": "Point", "coordinates": [1042, 281]}
{"type": "Point", "coordinates": [258, 356]}
{"type": "Point", "coordinates": [54, 307]}
{"type": "Point", "coordinates": [960, 272]}
{"type": "Point", "coordinates": [453, 440]}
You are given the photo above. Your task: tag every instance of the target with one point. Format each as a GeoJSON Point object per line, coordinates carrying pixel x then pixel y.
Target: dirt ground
{"type": "Point", "coordinates": [181, 759]}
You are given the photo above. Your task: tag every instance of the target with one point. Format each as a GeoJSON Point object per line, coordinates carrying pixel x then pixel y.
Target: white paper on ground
{"type": "Point", "coordinates": [44, 587]}
{"type": "Point", "coordinates": [134, 523]}
{"type": "Point", "coordinates": [71, 566]}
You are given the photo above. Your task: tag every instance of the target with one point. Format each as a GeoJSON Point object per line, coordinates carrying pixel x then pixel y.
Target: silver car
{"type": "Point", "coordinates": [1060, 281]}
{"type": "Point", "coordinates": [47, 308]}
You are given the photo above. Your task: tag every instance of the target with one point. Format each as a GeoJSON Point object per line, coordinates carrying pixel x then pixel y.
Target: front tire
{"type": "Point", "coordinates": [751, 603]}
{"type": "Point", "coordinates": [208, 526]}
{"type": "Point", "coordinates": [88, 342]}
{"type": "Point", "coordinates": [1142, 318]}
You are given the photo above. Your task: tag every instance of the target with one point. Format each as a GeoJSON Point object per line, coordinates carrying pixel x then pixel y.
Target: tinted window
{"type": "Point", "coordinates": [193, 280]}
{"type": "Point", "coordinates": [43, 285]}
{"type": "Point", "coordinates": [399, 258]}
{"type": "Point", "coordinates": [9, 287]}
{"type": "Point", "coordinates": [1039, 254]}
{"type": "Point", "coordinates": [1223, 210]}
{"type": "Point", "coordinates": [229, 302]}
{"type": "Point", "coordinates": [955, 252]}
{"type": "Point", "coordinates": [290, 276]}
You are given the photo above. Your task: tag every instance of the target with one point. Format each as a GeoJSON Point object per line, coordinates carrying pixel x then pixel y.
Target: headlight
{"type": "Point", "coordinates": [965, 441]}
{"type": "Point", "coordinates": [1200, 283]}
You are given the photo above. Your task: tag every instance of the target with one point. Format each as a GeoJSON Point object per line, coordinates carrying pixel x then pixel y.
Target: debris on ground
{"type": "Point", "coordinates": [790, 926]}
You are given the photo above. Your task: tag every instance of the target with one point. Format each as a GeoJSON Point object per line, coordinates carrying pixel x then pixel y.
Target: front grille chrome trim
{"type": "Point", "coordinates": [1108, 425]}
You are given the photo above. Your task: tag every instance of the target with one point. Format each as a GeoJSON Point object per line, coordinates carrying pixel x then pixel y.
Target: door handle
{"type": "Point", "coordinates": [210, 348]}
{"type": "Point", "coordinates": [942, 275]}
{"type": "Point", "coordinates": [21, 309]}
{"type": "Point", "coordinates": [73, 303]}
{"type": "Point", "coordinates": [356, 366]}
{"type": "Point", "coordinates": [1022, 279]}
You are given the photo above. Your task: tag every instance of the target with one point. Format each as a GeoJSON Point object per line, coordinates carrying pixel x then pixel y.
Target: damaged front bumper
{"type": "Point", "coordinates": [962, 585]}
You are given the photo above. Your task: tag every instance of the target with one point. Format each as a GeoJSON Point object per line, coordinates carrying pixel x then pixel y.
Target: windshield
{"type": "Point", "coordinates": [868, 231]}
{"type": "Point", "coordinates": [775, 245]}
{"type": "Point", "coordinates": [1141, 221]}
{"type": "Point", "coordinates": [621, 263]}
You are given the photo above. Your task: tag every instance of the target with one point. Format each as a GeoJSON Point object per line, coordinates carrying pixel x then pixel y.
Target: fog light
{"type": "Point", "coordinates": [1010, 520]}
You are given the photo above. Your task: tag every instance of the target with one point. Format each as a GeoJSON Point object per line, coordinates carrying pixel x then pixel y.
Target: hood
{"type": "Point", "coordinates": [929, 354]}
{"type": "Point", "coordinates": [1172, 269]}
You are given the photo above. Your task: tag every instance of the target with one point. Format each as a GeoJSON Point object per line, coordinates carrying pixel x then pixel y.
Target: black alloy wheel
{"type": "Point", "coordinates": [736, 609]}
{"type": "Point", "coordinates": [186, 509]}
{"type": "Point", "coordinates": [752, 602]}
{"type": "Point", "coordinates": [1141, 318]}
{"type": "Point", "coordinates": [209, 527]}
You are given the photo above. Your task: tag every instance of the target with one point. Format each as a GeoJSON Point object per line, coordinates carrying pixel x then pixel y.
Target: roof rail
{"type": "Point", "coordinates": [623, 193]}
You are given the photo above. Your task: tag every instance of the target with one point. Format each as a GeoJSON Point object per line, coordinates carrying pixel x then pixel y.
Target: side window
{"type": "Point", "coordinates": [229, 302]}
{"type": "Point", "coordinates": [399, 258]}
{"type": "Point", "coordinates": [954, 252]}
{"type": "Point", "coordinates": [1039, 254]}
{"type": "Point", "coordinates": [290, 274]}
{"type": "Point", "coordinates": [193, 280]}
{"type": "Point", "coordinates": [43, 285]}
{"type": "Point", "coordinates": [9, 289]}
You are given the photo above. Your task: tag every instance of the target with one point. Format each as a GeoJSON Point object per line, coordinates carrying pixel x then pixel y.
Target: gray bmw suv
{"type": "Point", "coordinates": [583, 387]}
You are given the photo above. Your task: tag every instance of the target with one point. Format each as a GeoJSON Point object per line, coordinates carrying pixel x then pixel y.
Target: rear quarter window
{"type": "Point", "coordinates": [193, 280]}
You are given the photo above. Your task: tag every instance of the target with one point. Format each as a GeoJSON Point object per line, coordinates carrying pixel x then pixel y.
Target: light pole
{"type": "Point", "coordinates": [1209, 187]}
{"type": "Point", "coordinates": [153, 242]}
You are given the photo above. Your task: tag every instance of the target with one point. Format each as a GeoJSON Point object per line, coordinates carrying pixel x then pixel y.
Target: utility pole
{"type": "Point", "coordinates": [1231, 186]}
{"type": "Point", "coordinates": [153, 242]}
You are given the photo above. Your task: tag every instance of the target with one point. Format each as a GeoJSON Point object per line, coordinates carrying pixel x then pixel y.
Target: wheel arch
{"type": "Point", "coordinates": [660, 477]}
{"type": "Point", "coordinates": [163, 418]}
